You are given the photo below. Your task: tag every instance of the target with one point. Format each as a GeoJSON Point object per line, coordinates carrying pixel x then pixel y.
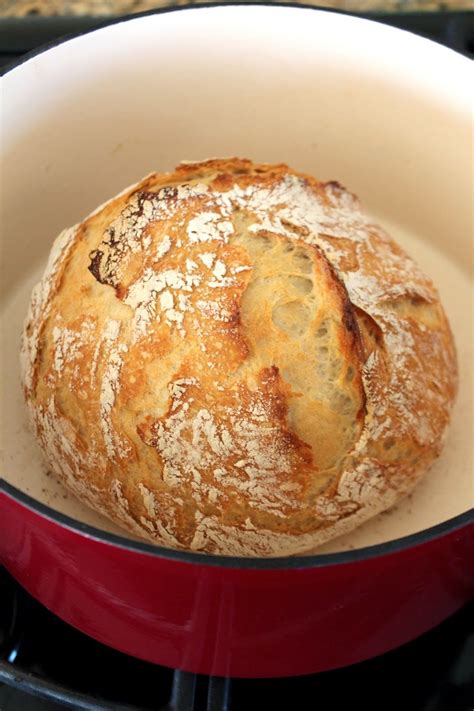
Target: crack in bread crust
{"type": "Point", "coordinates": [233, 358]}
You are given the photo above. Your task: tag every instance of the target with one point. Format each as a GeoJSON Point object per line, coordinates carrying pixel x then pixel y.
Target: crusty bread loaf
{"type": "Point", "coordinates": [233, 358]}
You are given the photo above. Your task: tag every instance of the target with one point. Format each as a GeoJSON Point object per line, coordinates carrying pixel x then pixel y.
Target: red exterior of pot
{"type": "Point", "coordinates": [240, 621]}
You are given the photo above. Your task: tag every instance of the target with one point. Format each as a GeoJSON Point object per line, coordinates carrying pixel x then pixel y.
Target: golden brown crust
{"type": "Point", "coordinates": [232, 358]}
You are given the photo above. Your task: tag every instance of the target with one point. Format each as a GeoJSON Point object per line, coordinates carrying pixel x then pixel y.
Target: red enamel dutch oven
{"type": "Point", "coordinates": [381, 110]}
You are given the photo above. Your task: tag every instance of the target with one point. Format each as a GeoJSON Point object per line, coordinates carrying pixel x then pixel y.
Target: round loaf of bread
{"type": "Point", "coordinates": [233, 358]}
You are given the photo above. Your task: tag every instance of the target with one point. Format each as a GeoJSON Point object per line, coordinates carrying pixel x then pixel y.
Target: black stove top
{"type": "Point", "coordinates": [47, 665]}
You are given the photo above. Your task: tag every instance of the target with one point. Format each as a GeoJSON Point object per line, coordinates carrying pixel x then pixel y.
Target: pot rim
{"type": "Point", "coordinates": [109, 21]}
{"type": "Point", "coordinates": [182, 556]}
{"type": "Point", "coordinates": [319, 560]}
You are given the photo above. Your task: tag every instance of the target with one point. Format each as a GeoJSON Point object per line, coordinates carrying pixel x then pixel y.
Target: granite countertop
{"type": "Point", "coordinates": [23, 8]}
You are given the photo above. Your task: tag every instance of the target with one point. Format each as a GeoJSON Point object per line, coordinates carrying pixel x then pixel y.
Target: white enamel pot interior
{"type": "Point", "coordinates": [384, 112]}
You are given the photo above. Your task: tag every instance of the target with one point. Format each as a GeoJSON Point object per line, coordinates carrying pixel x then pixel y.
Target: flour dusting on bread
{"type": "Point", "coordinates": [233, 358]}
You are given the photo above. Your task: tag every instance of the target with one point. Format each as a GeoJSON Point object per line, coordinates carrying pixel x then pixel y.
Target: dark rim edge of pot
{"type": "Point", "coordinates": [275, 563]}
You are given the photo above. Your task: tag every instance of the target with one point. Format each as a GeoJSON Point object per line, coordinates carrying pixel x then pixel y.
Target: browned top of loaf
{"type": "Point", "coordinates": [234, 358]}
